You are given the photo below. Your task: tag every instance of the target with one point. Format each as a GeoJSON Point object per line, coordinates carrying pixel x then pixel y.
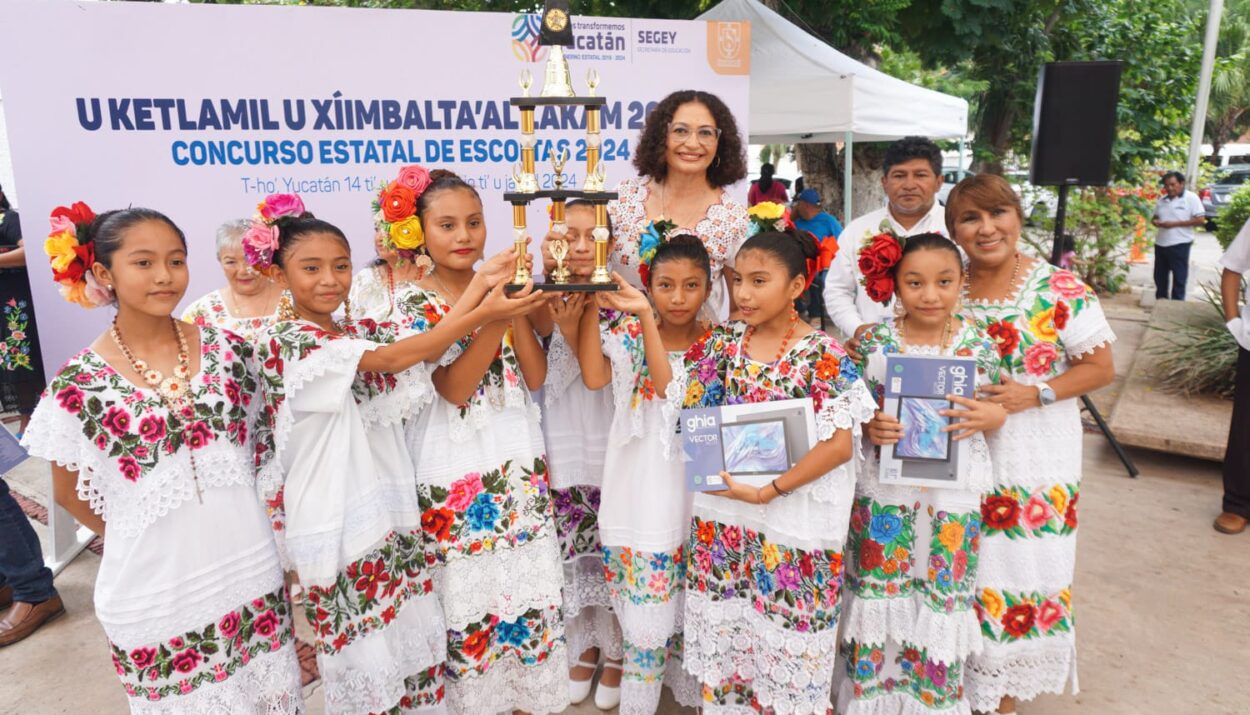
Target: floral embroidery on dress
{"type": "Point", "coordinates": [953, 555]}
{"type": "Point", "coordinates": [135, 432]}
{"type": "Point", "coordinates": [1016, 615]}
{"type": "Point", "coordinates": [182, 664]}
{"type": "Point", "coordinates": [1028, 333]}
{"type": "Point", "coordinates": [368, 594]}
{"type": "Point", "coordinates": [484, 512]}
{"type": "Point", "coordinates": [881, 536]}
{"type": "Point", "coordinates": [936, 684]}
{"type": "Point", "coordinates": [16, 346]}
{"type": "Point", "coordinates": [1018, 513]}
{"type": "Point", "coordinates": [481, 643]}
{"type": "Point", "coordinates": [644, 577]}
{"type": "Point", "coordinates": [211, 311]}
{"type": "Point", "coordinates": [576, 517]}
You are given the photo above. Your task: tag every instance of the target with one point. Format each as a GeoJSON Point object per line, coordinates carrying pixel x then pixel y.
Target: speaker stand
{"type": "Point", "coordinates": [1056, 253]}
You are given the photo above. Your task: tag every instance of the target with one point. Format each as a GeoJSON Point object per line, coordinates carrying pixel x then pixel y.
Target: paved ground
{"type": "Point", "coordinates": [1163, 601]}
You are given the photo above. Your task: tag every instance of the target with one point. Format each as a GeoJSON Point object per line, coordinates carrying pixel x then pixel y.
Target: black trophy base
{"type": "Point", "coordinates": [547, 287]}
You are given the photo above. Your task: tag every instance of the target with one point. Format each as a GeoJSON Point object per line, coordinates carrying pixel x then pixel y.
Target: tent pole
{"type": "Point", "coordinates": [963, 148]}
{"type": "Point", "coordinates": [849, 142]}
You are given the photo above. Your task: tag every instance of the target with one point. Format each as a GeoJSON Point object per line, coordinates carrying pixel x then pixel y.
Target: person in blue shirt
{"type": "Point", "coordinates": [808, 216]}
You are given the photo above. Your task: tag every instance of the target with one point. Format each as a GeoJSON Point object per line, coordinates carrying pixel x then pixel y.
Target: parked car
{"type": "Point", "coordinates": [1215, 196]}
{"type": "Point", "coordinates": [1039, 202]}
{"type": "Point", "coordinates": [950, 177]}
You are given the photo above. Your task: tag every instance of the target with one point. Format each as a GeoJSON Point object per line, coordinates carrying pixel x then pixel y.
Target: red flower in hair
{"type": "Point", "coordinates": [78, 213]}
{"type": "Point", "coordinates": [877, 258]}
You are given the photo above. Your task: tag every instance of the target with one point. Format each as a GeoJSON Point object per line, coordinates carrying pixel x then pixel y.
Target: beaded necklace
{"type": "Point", "coordinates": [781, 350]}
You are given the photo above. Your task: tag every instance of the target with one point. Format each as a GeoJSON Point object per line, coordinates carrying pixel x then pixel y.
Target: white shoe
{"type": "Point", "coordinates": [579, 690]}
{"type": "Point", "coordinates": [608, 696]}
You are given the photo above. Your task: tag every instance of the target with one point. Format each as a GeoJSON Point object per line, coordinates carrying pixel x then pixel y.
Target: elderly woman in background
{"type": "Point", "coordinates": [247, 304]}
{"type": "Point", "coordinates": [1054, 345]}
{"type": "Point", "coordinates": [689, 152]}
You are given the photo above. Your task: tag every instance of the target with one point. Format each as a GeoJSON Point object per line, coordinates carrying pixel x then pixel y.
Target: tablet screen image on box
{"type": "Point", "coordinates": [755, 443]}
{"type": "Point", "coordinates": [916, 389]}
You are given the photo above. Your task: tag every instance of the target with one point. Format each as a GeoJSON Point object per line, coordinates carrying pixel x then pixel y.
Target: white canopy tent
{"type": "Point", "coordinates": [803, 90]}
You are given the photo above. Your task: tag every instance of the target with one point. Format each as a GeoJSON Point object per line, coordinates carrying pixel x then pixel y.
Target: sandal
{"type": "Point", "coordinates": [608, 696]}
{"type": "Point", "coordinates": [579, 690]}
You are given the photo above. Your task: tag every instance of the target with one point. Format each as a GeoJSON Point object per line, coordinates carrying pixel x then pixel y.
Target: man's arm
{"type": "Point", "coordinates": [1230, 292]}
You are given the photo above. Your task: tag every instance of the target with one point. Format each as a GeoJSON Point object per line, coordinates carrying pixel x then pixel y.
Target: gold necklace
{"type": "Point", "coordinates": [945, 340]}
{"type": "Point", "coordinates": [1011, 284]}
{"type": "Point", "coordinates": [173, 390]}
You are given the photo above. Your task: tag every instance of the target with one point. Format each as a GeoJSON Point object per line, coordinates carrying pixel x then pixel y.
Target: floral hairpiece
{"type": "Point", "coordinates": [260, 242]}
{"type": "Point", "coordinates": [769, 216]}
{"type": "Point", "coordinates": [878, 256]}
{"type": "Point", "coordinates": [657, 232]}
{"type": "Point", "coordinates": [71, 253]}
{"type": "Point", "coordinates": [395, 213]}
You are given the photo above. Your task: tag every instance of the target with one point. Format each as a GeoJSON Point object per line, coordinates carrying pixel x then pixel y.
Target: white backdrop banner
{"type": "Point", "coordinates": [199, 111]}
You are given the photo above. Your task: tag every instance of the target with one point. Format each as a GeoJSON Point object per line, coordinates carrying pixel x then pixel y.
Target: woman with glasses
{"type": "Point", "coordinates": [247, 303]}
{"type": "Point", "coordinates": [689, 152]}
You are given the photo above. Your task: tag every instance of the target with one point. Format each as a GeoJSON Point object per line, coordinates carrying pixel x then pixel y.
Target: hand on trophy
{"type": "Point", "coordinates": [567, 309]}
{"type": "Point", "coordinates": [500, 267]}
{"type": "Point", "coordinates": [626, 298]}
{"type": "Point", "coordinates": [502, 305]}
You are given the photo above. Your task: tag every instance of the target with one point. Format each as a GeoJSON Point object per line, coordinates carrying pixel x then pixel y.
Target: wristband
{"type": "Point", "coordinates": [781, 492]}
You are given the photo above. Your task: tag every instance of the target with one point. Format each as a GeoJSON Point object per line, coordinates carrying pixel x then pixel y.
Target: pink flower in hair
{"type": "Point", "coordinates": [96, 293]}
{"type": "Point", "coordinates": [275, 206]}
{"type": "Point", "coordinates": [62, 224]}
{"type": "Point", "coordinates": [414, 177]}
{"type": "Point", "coordinates": [259, 244]}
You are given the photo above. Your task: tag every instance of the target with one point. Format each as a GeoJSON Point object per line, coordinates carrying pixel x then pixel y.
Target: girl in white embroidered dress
{"type": "Point", "coordinates": [482, 482]}
{"type": "Point", "coordinates": [912, 552]}
{"type": "Point", "coordinates": [247, 303]}
{"type": "Point", "coordinates": [335, 470]}
{"type": "Point", "coordinates": [1054, 345]}
{"type": "Point", "coordinates": [383, 284]}
{"type": "Point", "coordinates": [645, 512]}
{"type": "Point", "coordinates": [190, 588]}
{"type": "Point", "coordinates": [688, 152]}
{"type": "Point", "coordinates": [764, 575]}
{"type": "Point", "coordinates": [576, 421]}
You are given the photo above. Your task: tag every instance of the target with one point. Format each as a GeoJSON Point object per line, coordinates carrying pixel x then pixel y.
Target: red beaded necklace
{"type": "Point", "coordinates": [781, 350]}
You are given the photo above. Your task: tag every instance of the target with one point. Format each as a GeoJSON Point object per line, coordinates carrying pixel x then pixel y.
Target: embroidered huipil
{"type": "Point", "coordinates": [911, 561]}
{"type": "Point", "coordinates": [764, 582]}
{"type": "Point", "coordinates": [644, 522]}
{"type": "Point", "coordinates": [1028, 546]}
{"type": "Point", "coordinates": [336, 475]}
{"type": "Point", "coordinates": [211, 310]}
{"type": "Point", "coordinates": [486, 513]}
{"type": "Point", "coordinates": [576, 421]}
{"type": "Point", "coordinates": [190, 590]}
{"type": "Point", "coordinates": [376, 295]}
{"type": "Point", "coordinates": [723, 231]}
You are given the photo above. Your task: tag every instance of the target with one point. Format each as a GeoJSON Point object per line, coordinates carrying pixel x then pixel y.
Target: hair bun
{"type": "Point", "coordinates": [807, 242]}
{"type": "Point", "coordinates": [442, 174]}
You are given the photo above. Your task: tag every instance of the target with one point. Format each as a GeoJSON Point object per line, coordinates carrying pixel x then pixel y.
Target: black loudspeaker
{"type": "Point", "coordinates": [1074, 123]}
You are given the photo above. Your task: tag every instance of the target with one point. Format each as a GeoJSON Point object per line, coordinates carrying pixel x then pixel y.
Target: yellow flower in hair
{"type": "Point", "coordinates": [60, 248]}
{"type": "Point", "coordinates": [767, 210]}
{"type": "Point", "coordinates": [1043, 326]}
{"type": "Point", "coordinates": [76, 292]}
{"type": "Point", "coordinates": [407, 234]}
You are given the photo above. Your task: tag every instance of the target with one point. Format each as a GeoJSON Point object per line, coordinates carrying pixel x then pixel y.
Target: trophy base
{"type": "Point", "coordinates": [594, 197]}
{"type": "Point", "coordinates": [558, 101]}
{"type": "Point", "coordinates": [563, 287]}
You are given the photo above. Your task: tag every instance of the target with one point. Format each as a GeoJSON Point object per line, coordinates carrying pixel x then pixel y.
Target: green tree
{"type": "Point", "coordinates": [1228, 114]}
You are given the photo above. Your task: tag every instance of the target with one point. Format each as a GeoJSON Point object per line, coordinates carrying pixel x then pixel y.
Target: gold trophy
{"type": "Point", "coordinates": [556, 34]}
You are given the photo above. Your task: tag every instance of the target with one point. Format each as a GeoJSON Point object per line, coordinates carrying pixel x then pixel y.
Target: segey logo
{"type": "Point", "coordinates": [729, 40]}
{"type": "Point", "coordinates": [729, 47]}
{"type": "Point", "coordinates": [525, 33]}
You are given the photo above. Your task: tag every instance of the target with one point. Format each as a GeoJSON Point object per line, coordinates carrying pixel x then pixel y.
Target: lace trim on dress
{"type": "Point", "coordinates": [874, 620]}
{"type": "Point", "coordinates": [505, 583]}
{"type": "Point", "coordinates": [562, 369]}
{"type": "Point", "coordinates": [268, 685]}
{"type": "Point", "coordinates": [511, 685]}
{"type": "Point", "coordinates": [896, 703]}
{"type": "Point", "coordinates": [652, 625]}
{"type": "Point", "coordinates": [788, 672]}
{"type": "Point", "coordinates": [413, 390]}
{"type": "Point", "coordinates": [1024, 674]}
{"type": "Point", "coordinates": [337, 353]}
{"type": "Point", "coordinates": [948, 637]}
{"type": "Point", "coordinates": [585, 586]}
{"type": "Point", "coordinates": [57, 436]}
{"type": "Point", "coordinates": [1103, 337]}
{"type": "Point", "coordinates": [368, 675]}
{"type": "Point", "coordinates": [319, 556]}
{"type": "Point", "coordinates": [593, 627]}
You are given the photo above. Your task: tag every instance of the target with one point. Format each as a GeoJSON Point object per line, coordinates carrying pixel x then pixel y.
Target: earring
{"type": "Point", "coordinates": [899, 310]}
{"type": "Point", "coordinates": [286, 309]}
{"type": "Point", "coordinates": [347, 310]}
{"type": "Point", "coordinates": [717, 162]}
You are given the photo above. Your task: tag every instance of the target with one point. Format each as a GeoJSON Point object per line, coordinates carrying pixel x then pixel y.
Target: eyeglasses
{"type": "Point", "coordinates": [681, 132]}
